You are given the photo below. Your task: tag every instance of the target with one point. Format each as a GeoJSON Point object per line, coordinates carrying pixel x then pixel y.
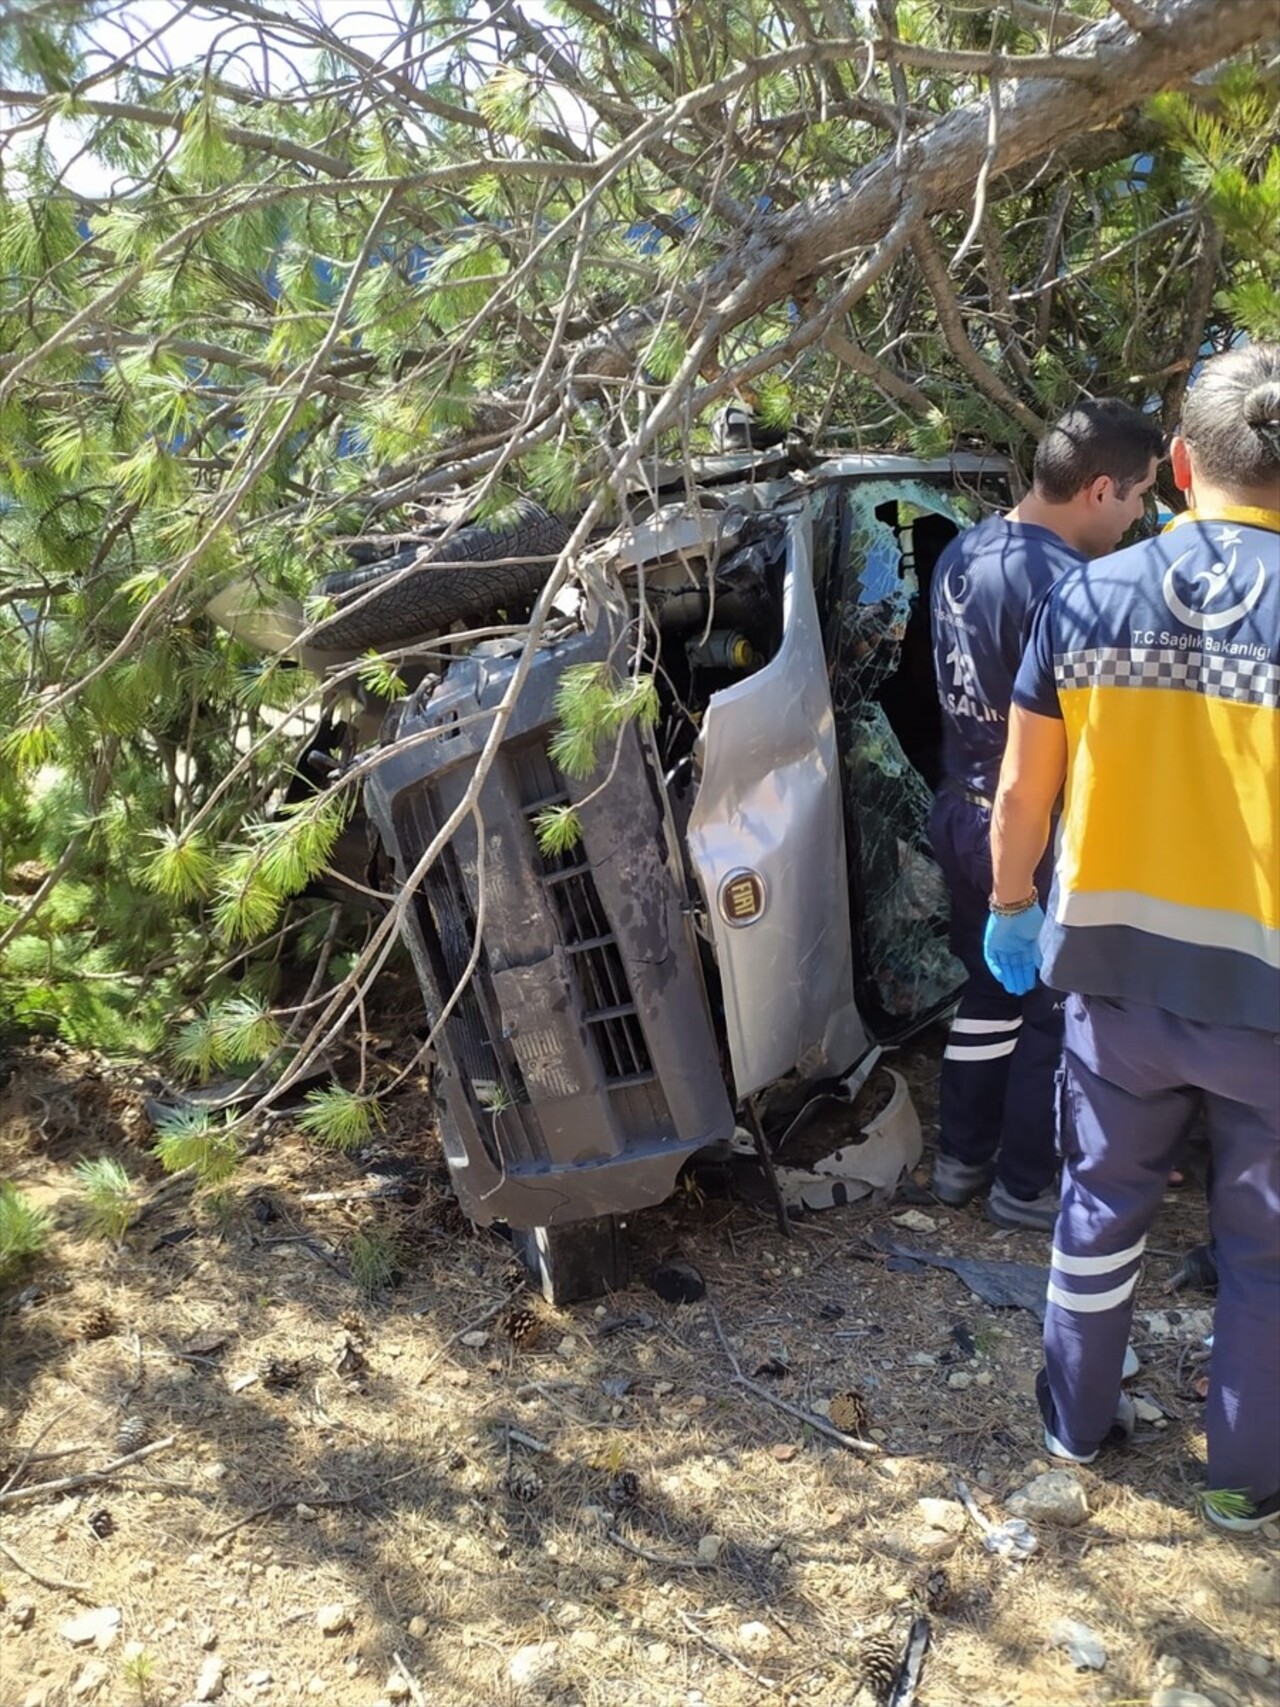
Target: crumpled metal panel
{"type": "Point", "coordinates": [769, 803]}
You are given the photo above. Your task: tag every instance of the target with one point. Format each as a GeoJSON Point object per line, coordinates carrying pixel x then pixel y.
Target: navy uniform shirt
{"type": "Point", "coordinates": [987, 586]}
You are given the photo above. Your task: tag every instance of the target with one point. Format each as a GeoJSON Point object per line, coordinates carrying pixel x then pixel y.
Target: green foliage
{"type": "Point", "coordinates": [376, 1257]}
{"type": "Point", "coordinates": [138, 1672]}
{"type": "Point", "coordinates": [340, 1119]}
{"type": "Point", "coordinates": [1226, 1502]}
{"type": "Point", "coordinates": [558, 829]}
{"type": "Point", "coordinates": [24, 1231]}
{"type": "Point", "coordinates": [200, 1140]}
{"type": "Point", "coordinates": [592, 704]}
{"type": "Point", "coordinates": [378, 678]}
{"type": "Point", "coordinates": [182, 867]}
{"type": "Point", "coordinates": [192, 413]}
{"type": "Point", "coordinates": [239, 1031]}
{"type": "Point", "coordinates": [108, 1197]}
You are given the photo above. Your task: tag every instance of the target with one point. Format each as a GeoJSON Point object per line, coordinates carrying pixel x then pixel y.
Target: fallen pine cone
{"type": "Point", "coordinates": [96, 1324]}
{"type": "Point", "coordinates": [848, 1412]}
{"type": "Point", "coordinates": [523, 1485]}
{"type": "Point", "coordinates": [878, 1664]}
{"type": "Point", "coordinates": [935, 1589]}
{"type": "Point", "coordinates": [623, 1491]}
{"type": "Point", "coordinates": [521, 1326]}
{"type": "Point", "coordinates": [102, 1523]}
{"type": "Point", "coordinates": [132, 1434]}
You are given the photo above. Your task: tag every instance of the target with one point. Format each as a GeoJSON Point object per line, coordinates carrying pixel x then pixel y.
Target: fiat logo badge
{"type": "Point", "coordinates": [742, 897]}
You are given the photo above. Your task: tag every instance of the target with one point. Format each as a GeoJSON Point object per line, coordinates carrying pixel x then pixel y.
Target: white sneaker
{"type": "Point", "coordinates": [1119, 1434]}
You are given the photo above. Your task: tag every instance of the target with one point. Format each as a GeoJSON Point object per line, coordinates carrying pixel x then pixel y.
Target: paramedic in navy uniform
{"type": "Point", "coordinates": [1151, 687]}
{"type": "Point", "coordinates": [1092, 471]}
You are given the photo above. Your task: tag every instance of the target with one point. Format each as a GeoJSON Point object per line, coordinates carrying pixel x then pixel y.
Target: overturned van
{"type": "Point", "coordinates": [749, 907]}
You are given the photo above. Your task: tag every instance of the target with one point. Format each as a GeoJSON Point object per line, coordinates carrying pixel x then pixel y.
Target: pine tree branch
{"type": "Point", "coordinates": [1199, 304]}
{"type": "Point", "coordinates": [608, 19]}
{"type": "Point", "coordinates": [1059, 281]}
{"type": "Point", "coordinates": [965, 62]}
{"type": "Point", "coordinates": [951, 322]}
{"type": "Point", "coordinates": [156, 118]}
{"type": "Point", "coordinates": [1137, 16]}
{"type": "Point", "coordinates": [840, 345]}
{"type": "Point", "coordinates": [1002, 308]}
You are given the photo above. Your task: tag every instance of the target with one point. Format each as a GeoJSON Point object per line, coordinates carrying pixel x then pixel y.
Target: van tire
{"type": "Point", "coordinates": [426, 593]}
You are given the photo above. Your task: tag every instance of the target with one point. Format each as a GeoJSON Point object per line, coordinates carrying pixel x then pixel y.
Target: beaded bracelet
{"type": "Point", "coordinates": [1011, 909]}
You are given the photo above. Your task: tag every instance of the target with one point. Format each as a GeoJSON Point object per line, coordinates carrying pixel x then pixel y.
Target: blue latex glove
{"type": "Point", "coordinates": [1011, 949]}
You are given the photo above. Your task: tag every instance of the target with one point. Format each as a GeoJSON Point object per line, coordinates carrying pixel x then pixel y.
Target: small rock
{"type": "Point", "coordinates": [678, 1282]}
{"type": "Point", "coordinates": [918, 1222]}
{"type": "Point", "coordinates": [418, 1626]}
{"type": "Point", "coordinates": [307, 1513]}
{"type": "Point", "coordinates": [1055, 1497]}
{"type": "Point", "coordinates": [21, 1614]}
{"type": "Point", "coordinates": [567, 1347]}
{"type": "Point", "coordinates": [960, 1378]}
{"type": "Point", "coordinates": [206, 1637]}
{"type": "Point", "coordinates": [922, 1360]}
{"type": "Point", "coordinates": [397, 1687]}
{"type": "Point", "coordinates": [755, 1636]}
{"type": "Point", "coordinates": [93, 1674]}
{"type": "Point", "coordinates": [660, 1389]}
{"type": "Point", "coordinates": [209, 1684]}
{"type": "Point", "coordinates": [943, 1514]}
{"type": "Point", "coordinates": [1176, 1697]}
{"type": "Point", "coordinates": [535, 1665]}
{"type": "Point", "coordinates": [476, 1339]}
{"type": "Point", "coordinates": [1085, 1648]}
{"type": "Point", "coordinates": [260, 1679]}
{"type": "Point", "coordinates": [1262, 1585]}
{"type": "Point", "coordinates": [334, 1619]}
{"type": "Point", "coordinates": [1257, 1665]}
{"type": "Point", "coordinates": [658, 1653]}
{"type": "Point", "coordinates": [1147, 1411]}
{"type": "Point", "coordinates": [101, 1627]}
{"type": "Point", "coordinates": [933, 1543]}
{"type": "Point", "coordinates": [317, 1686]}
{"type": "Point", "coordinates": [710, 1548]}
{"type": "Point", "coordinates": [785, 1451]}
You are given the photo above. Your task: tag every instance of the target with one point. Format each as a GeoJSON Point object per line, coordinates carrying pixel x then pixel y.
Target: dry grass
{"type": "Point", "coordinates": [368, 1459]}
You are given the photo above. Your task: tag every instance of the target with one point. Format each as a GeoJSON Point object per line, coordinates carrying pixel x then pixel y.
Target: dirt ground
{"type": "Point", "coordinates": [355, 1499]}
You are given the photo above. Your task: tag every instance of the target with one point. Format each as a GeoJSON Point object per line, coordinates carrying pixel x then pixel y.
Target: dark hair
{"type": "Point", "coordinates": [1097, 436]}
{"type": "Point", "coordinates": [1231, 417]}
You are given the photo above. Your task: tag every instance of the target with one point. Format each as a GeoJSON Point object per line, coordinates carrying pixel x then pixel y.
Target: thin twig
{"type": "Point", "coordinates": [415, 1688]}
{"type": "Point", "coordinates": [984, 172]}
{"type": "Point", "coordinates": [525, 1440]}
{"type": "Point", "coordinates": [65, 1482]}
{"type": "Point", "coordinates": [658, 1558]}
{"type": "Point", "coordinates": [809, 1418]}
{"type": "Point", "coordinates": [297, 1499]}
{"type": "Point", "coordinates": [79, 1589]}
{"type": "Point", "coordinates": [724, 1653]}
{"type": "Point", "coordinates": [30, 1454]}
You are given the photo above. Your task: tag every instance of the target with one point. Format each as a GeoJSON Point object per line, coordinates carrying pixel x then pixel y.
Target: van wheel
{"type": "Point", "coordinates": [580, 1259]}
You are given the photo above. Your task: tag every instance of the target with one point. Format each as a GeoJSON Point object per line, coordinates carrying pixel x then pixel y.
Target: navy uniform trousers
{"type": "Point", "coordinates": [996, 1096]}
{"type": "Point", "coordinates": [1133, 1077]}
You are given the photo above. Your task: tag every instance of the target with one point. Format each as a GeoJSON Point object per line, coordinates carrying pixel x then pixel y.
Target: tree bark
{"type": "Point", "coordinates": [940, 162]}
